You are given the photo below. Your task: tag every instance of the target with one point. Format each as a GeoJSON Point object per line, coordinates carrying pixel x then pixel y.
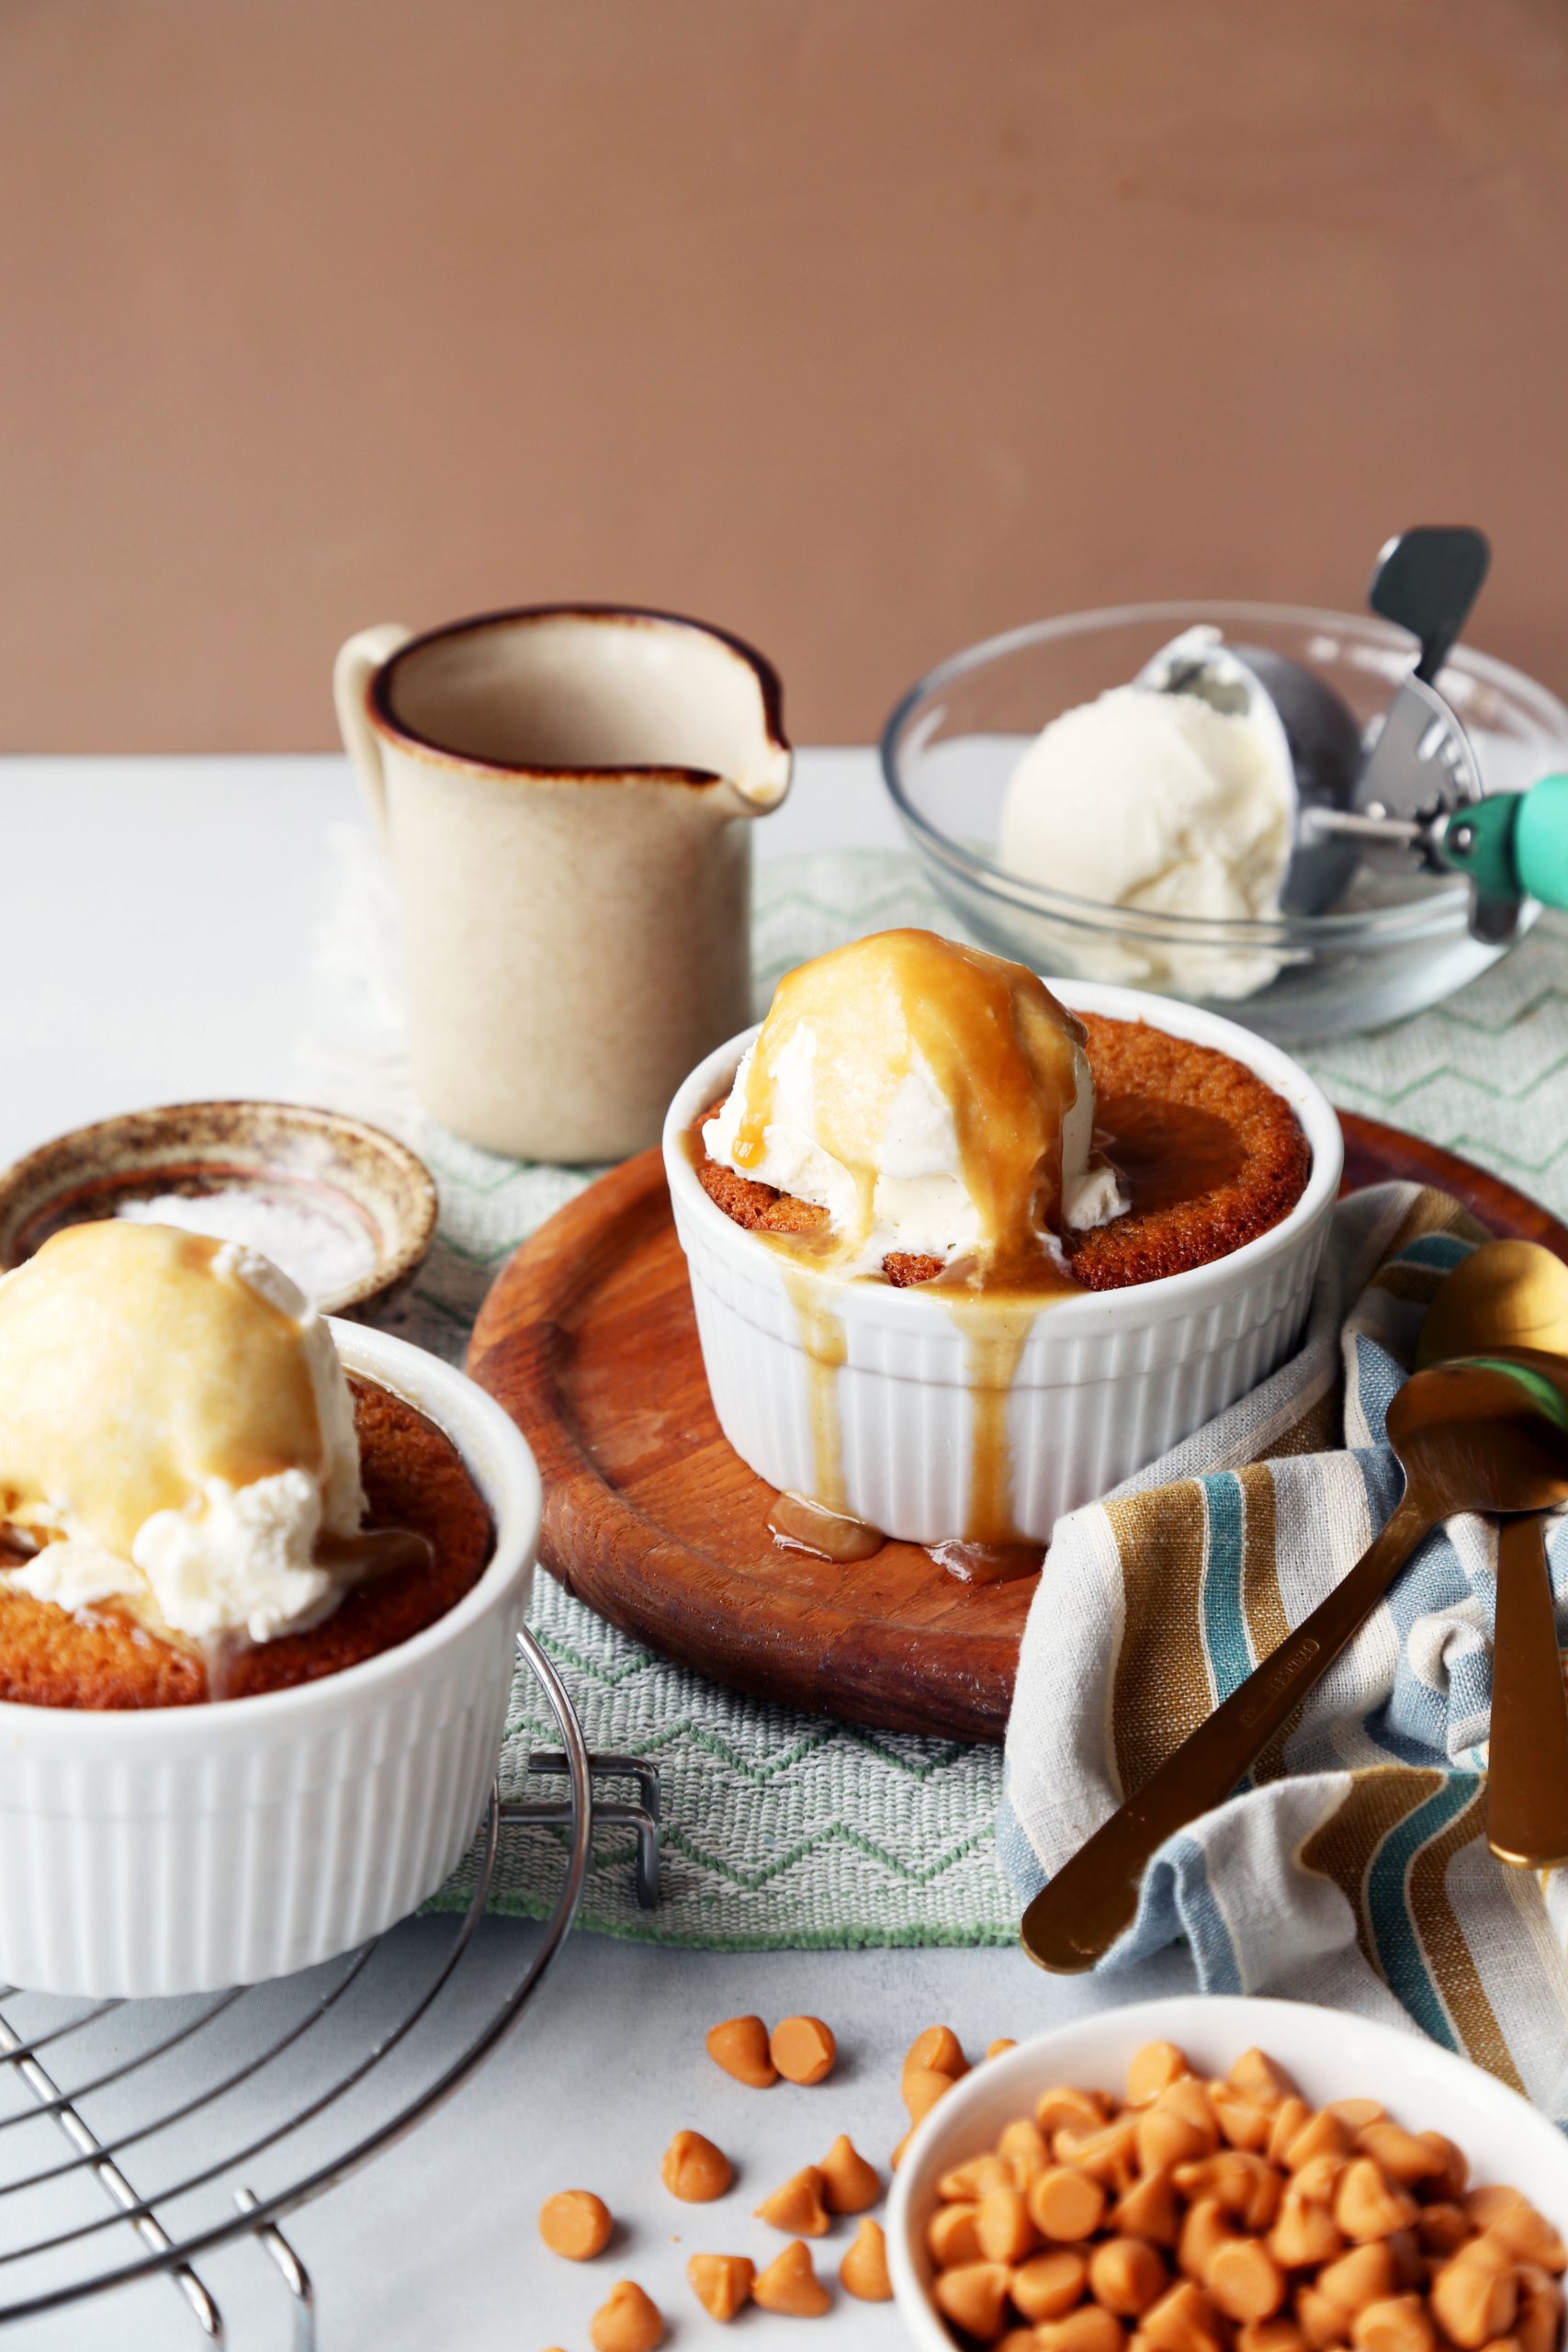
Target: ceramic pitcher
{"type": "Point", "coordinates": [567, 796]}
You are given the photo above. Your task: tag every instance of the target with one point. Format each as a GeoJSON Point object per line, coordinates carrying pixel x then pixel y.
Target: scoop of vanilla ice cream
{"type": "Point", "coordinates": [1157, 801]}
{"type": "Point", "coordinates": [936, 1100]}
{"type": "Point", "coordinates": [175, 1432]}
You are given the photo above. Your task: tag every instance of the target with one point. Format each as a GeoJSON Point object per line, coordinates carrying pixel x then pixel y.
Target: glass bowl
{"type": "Point", "coordinates": [1396, 943]}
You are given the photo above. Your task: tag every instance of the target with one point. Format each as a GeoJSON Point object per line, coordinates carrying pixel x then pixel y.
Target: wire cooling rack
{"type": "Point", "coordinates": [213, 2118]}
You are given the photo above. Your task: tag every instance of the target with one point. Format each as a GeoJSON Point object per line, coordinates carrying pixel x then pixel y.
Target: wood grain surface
{"type": "Point", "coordinates": [588, 1341]}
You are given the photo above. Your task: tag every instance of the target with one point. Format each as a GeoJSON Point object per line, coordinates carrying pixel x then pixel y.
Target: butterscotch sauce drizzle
{"type": "Point", "coordinates": [1002, 1052]}
{"type": "Point", "coordinates": [825, 1348]}
{"type": "Point", "coordinates": [798, 1524]}
{"type": "Point", "coordinates": [995, 1334]}
{"type": "Point", "coordinates": [982, 1564]}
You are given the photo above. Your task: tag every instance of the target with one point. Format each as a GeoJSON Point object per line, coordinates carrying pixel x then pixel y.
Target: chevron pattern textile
{"type": "Point", "coordinates": [782, 1829]}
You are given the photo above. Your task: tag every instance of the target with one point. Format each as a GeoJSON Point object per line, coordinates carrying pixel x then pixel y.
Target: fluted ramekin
{"type": "Point", "coordinates": [1107, 1380]}
{"type": "Point", "coordinates": [181, 1849]}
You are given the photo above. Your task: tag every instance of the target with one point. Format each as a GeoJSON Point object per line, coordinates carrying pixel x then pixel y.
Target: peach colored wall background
{"type": "Point", "coordinates": [865, 326]}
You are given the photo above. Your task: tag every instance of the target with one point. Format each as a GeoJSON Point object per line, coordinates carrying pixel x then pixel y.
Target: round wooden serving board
{"type": "Point", "coordinates": [588, 1341]}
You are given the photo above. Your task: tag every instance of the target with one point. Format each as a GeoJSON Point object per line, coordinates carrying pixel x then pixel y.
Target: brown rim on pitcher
{"type": "Point", "coordinates": [378, 703]}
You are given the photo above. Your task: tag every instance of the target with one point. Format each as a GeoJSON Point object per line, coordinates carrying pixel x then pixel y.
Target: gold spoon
{"type": "Point", "coordinates": [1509, 1294]}
{"type": "Point", "coordinates": [1487, 1433]}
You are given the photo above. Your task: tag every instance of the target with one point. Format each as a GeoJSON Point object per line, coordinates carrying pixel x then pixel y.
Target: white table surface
{"type": "Point", "coordinates": [161, 919]}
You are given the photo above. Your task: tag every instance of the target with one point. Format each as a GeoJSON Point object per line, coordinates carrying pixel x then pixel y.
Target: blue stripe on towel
{"type": "Point", "coordinates": [1388, 1907]}
{"type": "Point", "coordinates": [1213, 1952]}
{"type": "Point", "coordinates": [1224, 1620]}
{"type": "Point", "coordinates": [1443, 1250]}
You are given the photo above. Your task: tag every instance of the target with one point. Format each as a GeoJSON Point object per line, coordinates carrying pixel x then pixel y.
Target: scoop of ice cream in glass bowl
{"type": "Point", "coordinates": [1094, 828]}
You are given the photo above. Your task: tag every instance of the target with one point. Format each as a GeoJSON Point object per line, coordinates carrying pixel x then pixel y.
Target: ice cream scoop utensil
{"type": "Point", "coordinates": [1514, 1295]}
{"type": "Point", "coordinates": [1485, 1433]}
{"type": "Point", "coordinates": [1426, 580]}
{"type": "Point", "coordinates": [1313, 732]}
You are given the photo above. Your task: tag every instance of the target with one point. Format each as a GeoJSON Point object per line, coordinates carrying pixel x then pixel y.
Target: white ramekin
{"type": "Point", "coordinates": [1107, 1380]}
{"type": "Point", "coordinates": [181, 1849]}
{"type": "Point", "coordinates": [1331, 2053]}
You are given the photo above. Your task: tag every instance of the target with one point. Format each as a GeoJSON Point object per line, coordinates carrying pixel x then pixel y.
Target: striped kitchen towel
{"type": "Point", "coordinates": [1352, 1867]}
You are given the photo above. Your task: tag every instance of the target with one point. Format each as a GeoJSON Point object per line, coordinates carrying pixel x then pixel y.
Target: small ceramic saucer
{"type": "Point", "coordinates": [354, 1209]}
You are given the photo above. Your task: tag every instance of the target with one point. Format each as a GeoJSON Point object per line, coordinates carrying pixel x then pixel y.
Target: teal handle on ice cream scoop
{"type": "Point", "coordinates": [1514, 844]}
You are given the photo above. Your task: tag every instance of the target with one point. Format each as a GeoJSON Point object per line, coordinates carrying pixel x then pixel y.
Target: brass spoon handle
{"type": "Point", "coordinates": [1076, 1920]}
{"type": "Point", "coordinates": [1526, 1796]}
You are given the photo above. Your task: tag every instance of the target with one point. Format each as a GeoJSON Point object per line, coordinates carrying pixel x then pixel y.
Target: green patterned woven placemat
{"type": "Point", "coordinates": [782, 1829]}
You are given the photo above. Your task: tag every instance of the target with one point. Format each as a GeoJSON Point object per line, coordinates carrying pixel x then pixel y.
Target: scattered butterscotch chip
{"type": "Point", "coordinates": [575, 2223]}
{"type": "Point", "coordinates": [796, 2207]}
{"type": "Point", "coordinates": [740, 2046]}
{"type": "Point", "coordinates": [790, 2285]}
{"type": "Point", "coordinates": [995, 2049]}
{"type": "Point", "coordinates": [694, 2170]}
{"type": "Point", "coordinates": [721, 2282]}
{"type": "Point", "coordinates": [863, 2270]}
{"type": "Point", "coordinates": [849, 2183]}
{"type": "Point", "coordinates": [803, 2048]}
{"type": "Point", "coordinates": [939, 2050]}
{"type": "Point", "coordinates": [629, 2322]}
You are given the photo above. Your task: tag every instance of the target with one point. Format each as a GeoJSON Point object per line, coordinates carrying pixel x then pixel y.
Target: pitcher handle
{"type": "Point", "coordinates": [357, 664]}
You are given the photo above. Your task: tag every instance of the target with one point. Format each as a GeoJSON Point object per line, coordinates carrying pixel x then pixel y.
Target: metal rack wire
{"type": "Point", "coordinates": [285, 2085]}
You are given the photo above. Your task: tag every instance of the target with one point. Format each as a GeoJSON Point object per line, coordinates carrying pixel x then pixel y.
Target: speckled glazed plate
{"type": "Point", "coordinates": [354, 1209]}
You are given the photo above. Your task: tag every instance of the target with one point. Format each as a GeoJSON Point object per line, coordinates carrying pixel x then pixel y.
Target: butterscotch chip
{"type": "Point", "coordinates": [1003, 2226]}
{"type": "Point", "coordinates": [922, 2086]}
{"type": "Point", "coordinates": [951, 2236]}
{"type": "Point", "coordinates": [1149, 2209]}
{"type": "Point", "coordinates": [1474, 2303]}
{"type": "Point", "coordinates": [1022, 2147]}
{"type": "Point", "coordinates": [1368, 2205]}
{"type": "Point", "coordinates": [1065, 2205]}
{"type": "Point", "coordinates": [974, 2298]}
{"type": "Point", "coordinates": [1400, 2324]}
{"type": "Point", "coordinates": [721, 2282]}
{"type": "Point", "coordinates": [1355, 2112]}
{"type": "Point", "coordinates": [1065, 2107]}
{"type": "Point", "coordinates": [790, 2285]}
{"type": "Point", "coordinates": [863, 2270]}
{"type": "Point", "coordinates": [629, 2322]}
{"type": "Point", "coordinates": [740, 2046]}
{"type": "Point", "coordinates": [1259, 2078]}
{"type": "Point", "coordinates": [1245, 2184]}
{"type": "Point", "coordinates": [1088, 2329]}
{"type": "Point", "coordinates": [803, 2048]}
{"type": "Point", "coordinates": [939, 2049]}
{"type": "Point", "coordinates": [1529, 2236]}
{"type": "Point", "coordinates": [1126, 2275]}
{"type": "Point", "coordinates": [1245, 2280]}
{"type": "Point", "coordinates": [1183, 2320]}
{"type": "Point", "coordinates": [1281, 2335]}
{"type": "Point", "coordinates": [694, 2170]}
{"type": "Point", "coordinates": [996, 2049]}
{"type": "Point", "coordinates": [796, 2206]}
{"type": "Point", "coordinates": [1323, 2321]}
{"type": "Point", "coordinates": [575, 2223]}
{"type": "Point", "coordinates": [1368, 2273]}
{"type": "Point", "coordinates": [971, 2180]}
{"type": "Point", "coordinates": [1048, 2285]}
{"type": "Point", "coordinates": [1153, 2069]}
{"type": "Point", "coordinates": [849, 2183]}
